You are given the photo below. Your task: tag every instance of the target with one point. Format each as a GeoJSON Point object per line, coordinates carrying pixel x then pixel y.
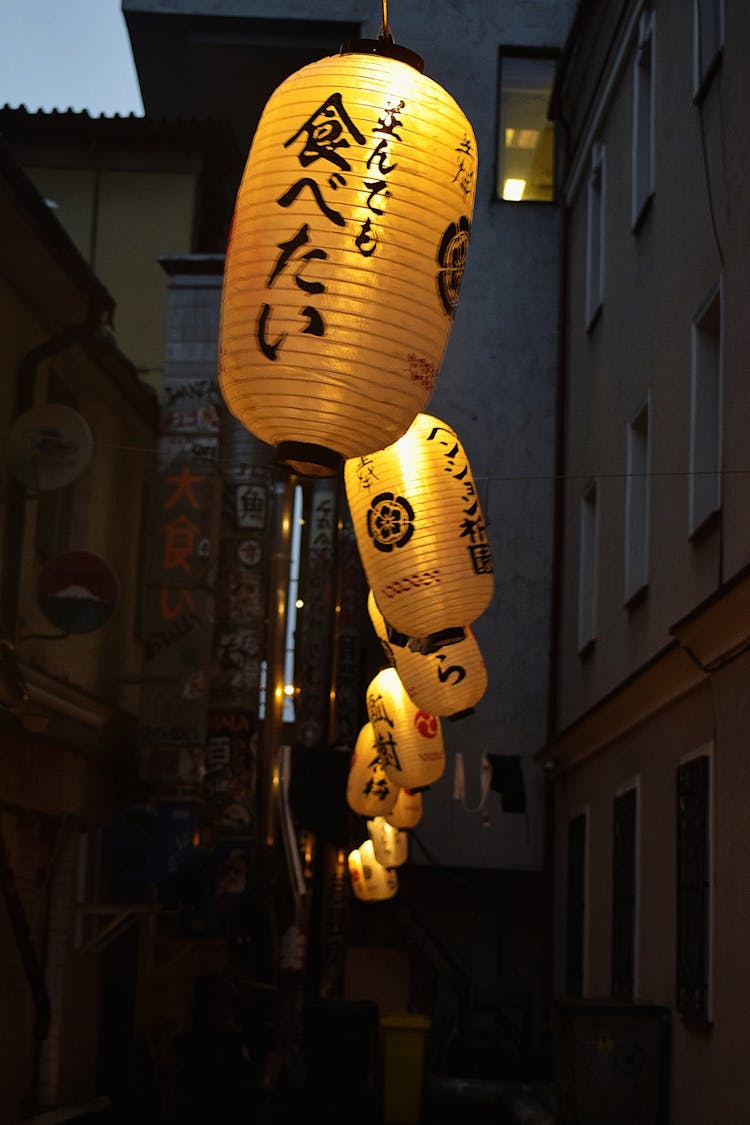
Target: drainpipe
{"type": "Point", "coordinates": [548, 982]}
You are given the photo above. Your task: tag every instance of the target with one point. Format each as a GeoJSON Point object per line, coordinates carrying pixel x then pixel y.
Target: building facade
{"type": "Point", "coordinates": [76, 419]}
{"type": "Point", "coordinates": [650, 625]}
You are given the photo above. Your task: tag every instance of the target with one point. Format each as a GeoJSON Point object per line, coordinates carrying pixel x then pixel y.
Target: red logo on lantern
{"type": "Point", "coordinates": [426, 724]}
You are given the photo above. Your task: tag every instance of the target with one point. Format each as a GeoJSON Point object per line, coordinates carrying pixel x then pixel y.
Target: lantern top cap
{"type": "Point", "coordinates": [385, 47]}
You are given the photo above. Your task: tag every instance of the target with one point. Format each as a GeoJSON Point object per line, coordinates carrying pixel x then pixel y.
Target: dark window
{"type": "Point", "coordinates": [576, 905]}
{"type": "Point", "coordinates": [693, 887]}
{"type": "Point", "coordinates": [623, 894]}
{"type": "Point", "coordinates": [526, 139]}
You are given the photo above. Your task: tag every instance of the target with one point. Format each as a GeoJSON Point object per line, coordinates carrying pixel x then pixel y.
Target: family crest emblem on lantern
{"type": "Point", "coordinates": [355, 206]}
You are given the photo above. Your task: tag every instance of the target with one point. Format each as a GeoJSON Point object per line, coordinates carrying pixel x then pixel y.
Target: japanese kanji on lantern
{"type": "Point", "coordinates": [421, 531]}
{"type": "Point", "coordinates": [391, 845]}
{"type": "Point", "coordinates": [409, 741]}
{"type": "Point", "coordinates": [407, 812]}
{"type": "Point", "coordinates": [344, 263]}
{"type": "Point", "coordinates": [371, 881]}
{"type": "Point", "coordinates": [369, 791]}
{"type": "Point", "coordinates": [447, 680]}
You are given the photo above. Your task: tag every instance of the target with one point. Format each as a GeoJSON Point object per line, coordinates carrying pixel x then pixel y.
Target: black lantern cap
{"type": "Point", "coordinates": [384, 47]}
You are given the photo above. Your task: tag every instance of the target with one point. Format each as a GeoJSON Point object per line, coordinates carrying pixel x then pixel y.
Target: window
{"type": "Point", "coordinates": [576, 916]}
{"type": "Point", "coordinates": [526, 149]}
{"type": "Point", "coordinates": [708, 40]}
{"type": "Point", "coordinates": [706, 412]}
{"type": "Point", "coordinates": [693, 886]}
{"type": "Point", "coordinates": [643, 118]}
{"type": "Point", "coordinates": [587, 568]}
{"type": "Point", "coordinates": [595, 236]}
{"type": "Point", "coordinates": [624, 891]}
{"type": "Point", "coordinates": [637, 503]}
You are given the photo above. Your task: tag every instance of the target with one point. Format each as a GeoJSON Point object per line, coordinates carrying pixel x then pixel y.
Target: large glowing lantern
{"type": "Point", "coordinates": [369, 791]}
{"type": "Point", "coordinates": [420, 530]}
{"type": "Point", "coordinates": [391, 844]}
{"type": "Point", "coordinates": [449, 679]}
{"type": "Point", "coordinates": [371, 881]}
{"type": "Point", "coordinates": [346, 254]}
{"type": "Point", "coordinates": [409, 741]}
{"type": "Point", "coordinates": [407, 812]}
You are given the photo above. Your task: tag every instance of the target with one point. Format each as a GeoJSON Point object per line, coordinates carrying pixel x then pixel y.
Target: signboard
{"type": "Point", "coordinates": [77, 592]}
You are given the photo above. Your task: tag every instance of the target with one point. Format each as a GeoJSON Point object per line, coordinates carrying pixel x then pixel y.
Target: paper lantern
{"type": "Point", "coordinates": [407, 812]}
{"type": "Point", "coordinates": [371, 881]}
{"type": "Point", "coordinates": [409, 740]}
{"type": "Point", "coordinates": [420, 530]}
{"type": "Point", "coordinates": [448, 680]}
{"type": "Point", "coordinates": [355, 206]}
{"type": "Point", "coordinates": [391, 845]}
{"type": "Point", "coordinates": [369, 791]}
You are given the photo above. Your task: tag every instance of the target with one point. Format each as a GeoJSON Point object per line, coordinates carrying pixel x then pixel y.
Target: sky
{"type": "Point", "coordinates": [61, 54]}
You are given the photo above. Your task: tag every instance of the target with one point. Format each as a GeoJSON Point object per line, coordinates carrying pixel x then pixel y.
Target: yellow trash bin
{"type": "Point", "coordinates": [403, 1043]}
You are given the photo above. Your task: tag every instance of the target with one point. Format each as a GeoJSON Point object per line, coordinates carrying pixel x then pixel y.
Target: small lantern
{"type": "Point", "coordinates": [355, 205]}
{"type": "Point", "coordinates": [420, 530]}
{"type": "Point", "coordinates": [407, 812]}
{"type": "Point", "coordinates": [369, 791]}
{"type": "Point", "coordinates": [409, 740]}
{"type": "Point", "coordinates": [391, 844]}
{"type": "Point", "coordinates": [371, 881]}
{"type": "Point", "coordinates": [448, 680]}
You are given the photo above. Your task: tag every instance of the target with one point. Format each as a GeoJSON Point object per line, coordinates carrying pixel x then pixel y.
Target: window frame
{"type": "Point", "coordinates": [706, 386]}
{"type": "Point", "coordinates": [531, 53]}
{"type": "Point", "coordinates": [576, 910]}
{"type": "Point", "coordinates": [695, 1010]}
{"type": "Point", "coordinates": [588, 557]}
{"type": "Point", "coordinates": [595, 212]}
{"type": "Point", "coordinates": [643, 149]}
{"type": "Point", "coordinates": [704, 70]}
{"type": "Point", "coordinates": [638, 496]}
{"type": "Point", "coordinates": [621, 989]}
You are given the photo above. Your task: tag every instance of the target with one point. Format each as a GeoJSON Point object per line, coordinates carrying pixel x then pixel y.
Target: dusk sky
{"type": "Point", "coordinates": [60, 54]}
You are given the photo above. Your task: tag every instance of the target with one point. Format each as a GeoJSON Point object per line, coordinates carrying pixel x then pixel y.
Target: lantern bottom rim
{"type": "Point", "coordinates": [308, 459]}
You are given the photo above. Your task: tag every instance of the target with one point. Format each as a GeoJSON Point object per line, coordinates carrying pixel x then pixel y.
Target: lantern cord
{"type": "Point", "coordinates": [385, 30]}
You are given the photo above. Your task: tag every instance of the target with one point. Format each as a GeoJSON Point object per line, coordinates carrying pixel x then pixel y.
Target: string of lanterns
{"type": "Point", "coordinates": [356, 203]}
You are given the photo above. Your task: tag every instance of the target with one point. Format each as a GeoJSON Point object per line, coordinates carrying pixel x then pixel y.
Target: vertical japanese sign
{"type": "Point", "coordinates": [315, 645]}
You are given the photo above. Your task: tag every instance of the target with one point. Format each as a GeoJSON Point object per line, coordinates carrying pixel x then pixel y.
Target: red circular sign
{"type": "Point", "coordinates": [77, 591]}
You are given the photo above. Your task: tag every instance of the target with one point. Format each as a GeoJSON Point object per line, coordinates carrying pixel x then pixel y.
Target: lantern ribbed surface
{"type": "Point", "coordinates": [345, 258]}
{"type": "Point", "coordinates": [369, 791]}
{"type": "Point", "coordinates": [407, 812]}
{"type": "Point", "coordinates": [446, 681]}
{"type": "Point", "coordinates": [421, 531]}
{"type": "Point", "coordinates": [391, 845]}
{"type": "Point", "coordinates": [371, 881]}
{"type": "Point", "coordinates": [409, 740]}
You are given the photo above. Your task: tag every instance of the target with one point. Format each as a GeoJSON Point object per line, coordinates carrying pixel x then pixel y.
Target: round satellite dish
{"type": "Point", "coordinates": [77, 592]}
{"type": "Point", "coordinates": [48, 447]}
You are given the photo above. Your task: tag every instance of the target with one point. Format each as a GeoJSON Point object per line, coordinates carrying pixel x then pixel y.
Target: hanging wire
{"type": "Point", "coordinates": [385, 30]}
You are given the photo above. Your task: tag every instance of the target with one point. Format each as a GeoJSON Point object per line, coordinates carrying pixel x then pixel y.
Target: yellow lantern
{"type": "Point", "coordinates": [369, 791]}
{"type": "Point", "coordinates": [371, 882]}
{"type": "Point", "coordinates": [421, 531]}
{"type": "Point", "coordinates": [407, 812]}
{"type": "Point", "coordinates": [447, 680]}
{"type": "Point", "coordinates": [409, 740]}
{"type": "Point", "coordinates": [391, 845]}
{"type": "Point", "coordinates": [355, 206]}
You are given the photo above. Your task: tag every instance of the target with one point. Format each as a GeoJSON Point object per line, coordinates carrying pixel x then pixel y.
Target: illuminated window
{"type": "Point", "coordinates": [526, 149]}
